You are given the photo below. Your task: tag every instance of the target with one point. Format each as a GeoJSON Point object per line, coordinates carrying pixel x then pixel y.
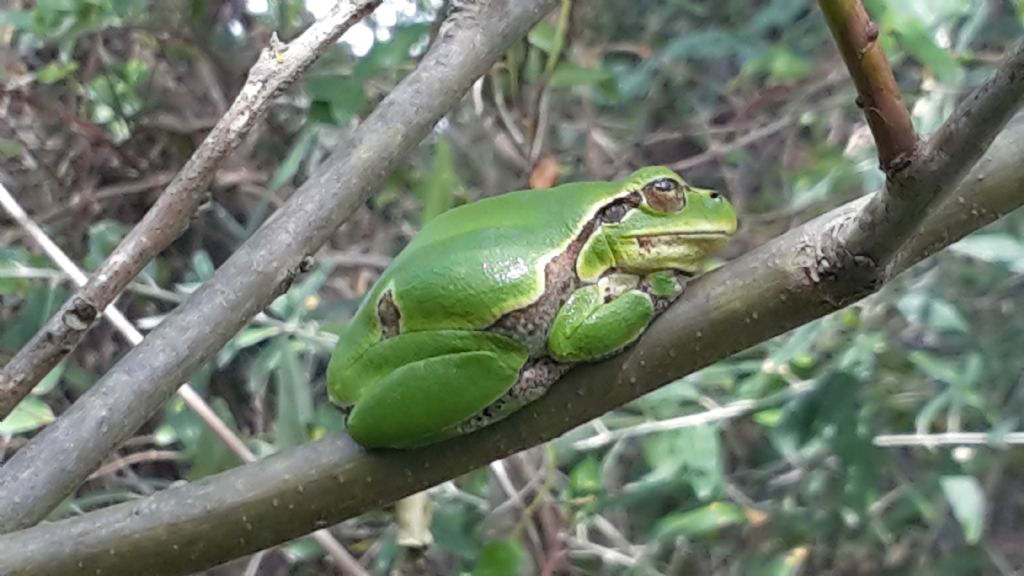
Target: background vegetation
{"type": "Point", "coordinates": [808, 454]}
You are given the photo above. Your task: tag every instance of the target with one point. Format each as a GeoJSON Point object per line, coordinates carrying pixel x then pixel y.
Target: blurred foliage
{"type": "Point", "coordinates": [780, 469]}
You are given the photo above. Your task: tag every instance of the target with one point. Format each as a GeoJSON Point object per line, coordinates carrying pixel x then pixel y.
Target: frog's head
{"type": "Point", "coordinates": [668, 224]}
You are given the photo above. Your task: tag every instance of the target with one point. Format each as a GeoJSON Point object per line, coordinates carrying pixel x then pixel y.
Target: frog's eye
{"type": "Point", "coordinates": [664, 195]}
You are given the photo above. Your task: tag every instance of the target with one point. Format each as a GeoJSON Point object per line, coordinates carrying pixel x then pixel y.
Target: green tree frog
{"type": "Point", "coordinates": [493, 301]}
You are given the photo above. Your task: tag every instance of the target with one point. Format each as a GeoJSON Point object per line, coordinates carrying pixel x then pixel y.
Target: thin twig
{"type": "Point", "coordinates": [950, 439]}
{"type": "Point", "coordinates": [277, 67]}
{"type": "Point", "coordinates": [136, 458]}
{"type": "Point", "coordinates": [186, 392]}
{"type": "Point", "coordinates": [727, 412]}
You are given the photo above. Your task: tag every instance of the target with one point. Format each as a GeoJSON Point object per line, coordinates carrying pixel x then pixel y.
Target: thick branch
{"type": "Point", "coordinates": [192, 399]}
{"type": "Point", "coordinates": [56, 461]}
{"type": "Point", "coordinates": [856, 36]}
{"type": "Point", "coordinates": [277, 67]}
{"type": "Point", "coordinates": [919, 176]}
{"type": "Point", "coordinates": [754, 297]}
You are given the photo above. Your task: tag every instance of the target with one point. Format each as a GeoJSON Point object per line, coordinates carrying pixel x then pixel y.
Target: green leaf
{"type": "Point", "coordinates": [915, 38]}
{"type": "Point", "coordinates": [500, 558]}
{"type": "Point", "coordinates": [18, 19]}
{"type": "Point", "coordinates": [289, 167]}
{"type": "Point", "coordinates": [701, 458]}
{"type": "Point", "coordinates": [50, 381]}
{"type": "Point", "coordinates": [437, 191]}
{"type": "Point", "coordinates": [56, 71]}
{"type": "Point", "coordinates": [543, 35]}
{"type": "Point", "coordinates": [303, 550]}
{"type": "Point", "coordinates": [294, 398]}
{"type": "Point", "coordinates": [392, 54]}
{"type": "Point", "coordinates": [810, 413]}
{"type": "Point", "coordinates": [585, 477]}
{"type": "Point", "coordinates": [202, 265]}
{"type": "Point", "coordinates": [999, 248]}
{"type": "Point", "coordinates": [29, 414]}
{"type": "Point", "coordinates": [209, 454]}
{"type": "Point", "coordinates": [454, 529]}
{"type": "Point", "coordinates": [344, 95]}
{"type": "Point", "coordinates": [937, 368]}
{"type": "Point", "coordinates": [931, 411]}
{"type": "Point", "coordinates": [967, 500]}
{"type": "Point", "coordinates": [701, 45]}
{"type": "Point", "coordinates": [568, 74]}
{"type": "Point", "coordinates": [701, 521]}
{"type": "Point", "coordinates": [936, 313]}
{"type": "Point", "coordinates": [785, 564]}
{"type": "Point", "coordinates": [254, 335]}
{"type": "Point", "coordinates": [10, 148]}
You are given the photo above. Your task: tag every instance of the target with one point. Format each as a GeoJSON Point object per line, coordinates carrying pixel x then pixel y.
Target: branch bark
{"type": "Point", "coordinates": [277, 67]}
{"type": "Point", "coordinates": [856, 36]}
{"type": "Point", "coordinates": [918, 176]}
{"type": "Point", "coordinates": [759, 295]}
{"type": "Point", "coordinates": [57, 460]}
{"type": "Point", "coordinates": [192, 399]}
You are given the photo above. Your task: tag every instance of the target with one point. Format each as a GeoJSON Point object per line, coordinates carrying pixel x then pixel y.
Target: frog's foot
{"type": "Point", "coordinates": [664, 288]}
{"type": "Point", "coordinates": [534, 380]}
{"type": "Point", "coordinates": [594, 323]}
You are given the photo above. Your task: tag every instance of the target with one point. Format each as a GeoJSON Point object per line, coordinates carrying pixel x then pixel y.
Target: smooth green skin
{"type": "Point", "coordinates": [475, 263]}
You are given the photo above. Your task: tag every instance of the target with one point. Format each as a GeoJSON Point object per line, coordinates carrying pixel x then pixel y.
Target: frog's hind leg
{"type": "Point", "coordinates": [442, 378]}
{"type": "Point", "coordinates": [534, 380]}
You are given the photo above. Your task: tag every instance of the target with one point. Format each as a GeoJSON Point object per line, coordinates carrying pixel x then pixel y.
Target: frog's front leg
{"type": "Point", "coordinates": [601, 319]}
{"type": "Point", "coordinates": [416, 387]}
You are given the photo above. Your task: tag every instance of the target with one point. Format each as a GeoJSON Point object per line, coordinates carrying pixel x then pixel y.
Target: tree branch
{"type": "Point", "coordinates": [759, 295]}
{"type": "Point", "coordinates": [856, 36]}
{"type": "Point", "coordinates": [277, 67]}
{"type": "Point", "coordinates": [871, 240]}
{"type": "Point", "coordinates": [917, 175]}
{"type": "Point", "coordinates": [56, 461]}
{"type": "Point", "coordinates": [192, 399]}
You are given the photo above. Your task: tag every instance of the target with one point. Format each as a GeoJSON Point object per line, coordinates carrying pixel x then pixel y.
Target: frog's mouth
{"type": "Point", "coordinates": [667, 239]}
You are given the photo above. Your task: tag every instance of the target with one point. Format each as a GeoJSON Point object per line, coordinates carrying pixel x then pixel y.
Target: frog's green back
{"type": "Point", "coordinates": [547, 214]}
{"type": "Point", "coordinates": [472, 264]}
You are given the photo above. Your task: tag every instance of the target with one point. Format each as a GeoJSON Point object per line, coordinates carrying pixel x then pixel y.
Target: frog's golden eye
{"type": "Point", "coordinates": [664, 195]}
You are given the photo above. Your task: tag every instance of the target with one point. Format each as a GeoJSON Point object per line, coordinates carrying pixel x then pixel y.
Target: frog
{"type": "Point", "coordinates": [493, 301]}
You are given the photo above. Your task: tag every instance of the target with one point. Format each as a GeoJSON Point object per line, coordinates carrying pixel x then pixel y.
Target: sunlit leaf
{"type": "Point", "coordinates": [706, 519]}
{"type": "Point", "coordinates": [786, 563]}
{"type": "Point", "coordinates": [437, 190]}
{"type": "Point", "coordinates": [568, 74]}
{"type": "Point", "coordinates": [500, 558]}
{"type": "Point", "coordinates": [29, 414]}
{"type": "Point", "coordinates": [585, 477]}
{"type": "Point", "coordinates": [996, 247]}
{"type": "Point", "coordinates": [56, 71]}
{"type": "Point", "coordinates": [967, 501]}
{"type": "Point", "coordinates": [294, 405]}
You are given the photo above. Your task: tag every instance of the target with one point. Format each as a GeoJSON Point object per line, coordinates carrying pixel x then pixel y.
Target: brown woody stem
{"type": "Point", "coordinates": [856, 36]}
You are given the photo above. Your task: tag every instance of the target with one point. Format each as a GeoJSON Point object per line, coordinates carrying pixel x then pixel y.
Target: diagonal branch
{"type": "Point", "coordinates": [186, 392]}
{"type": "Point", "coordinates": [57, 460]}
{"type": "Point", "coordinates": [893, 216]}
{"type": "Point", "coordinates": [856, 36]}
{"type": "Point", "coordinates": [918, 175]}
{"type": "Point", "coordinates": [277, 67]}
{"type": "Point", "coordinates": [757, 296]}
